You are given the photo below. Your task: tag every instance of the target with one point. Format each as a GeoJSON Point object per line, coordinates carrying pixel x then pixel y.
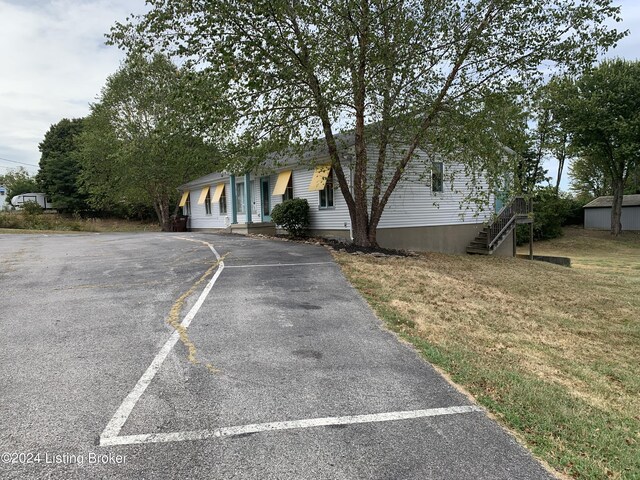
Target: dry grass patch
{"type": "Point", "coordinates": [552, 350]}
{"type": "Point", "coordinates": [18, 222]}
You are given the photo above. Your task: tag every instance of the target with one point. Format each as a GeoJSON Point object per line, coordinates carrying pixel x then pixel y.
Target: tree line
{"type": "Point", "coordinates": [459, 79]}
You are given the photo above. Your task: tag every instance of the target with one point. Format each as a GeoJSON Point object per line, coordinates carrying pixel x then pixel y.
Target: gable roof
{"type": "Point", "coordinates": [607, 201]}
{"type": "Point", "coordinates": [311, 154]}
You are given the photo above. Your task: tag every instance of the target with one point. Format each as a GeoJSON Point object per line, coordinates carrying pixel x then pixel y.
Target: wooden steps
{"type": "Point", "coordinates": [491, 236]}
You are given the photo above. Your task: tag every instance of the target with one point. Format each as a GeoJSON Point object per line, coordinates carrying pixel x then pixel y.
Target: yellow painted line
{"type": "Point", "coordinates": [126, 407]}
{"type": "Point", "coordinates": [174, 317]}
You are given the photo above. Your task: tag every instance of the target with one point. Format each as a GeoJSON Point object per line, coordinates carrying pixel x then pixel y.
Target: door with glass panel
{"type": "Point", "coordinates": [265, 193]}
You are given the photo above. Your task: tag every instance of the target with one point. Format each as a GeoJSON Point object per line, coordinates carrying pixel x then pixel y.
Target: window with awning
{"type": "Point", "coordinates": [284, 179]}
{"type": "Point", "coordinates": [319, 180]}
{"type": "Point", "coordinates": [183, 199]}
{"type": "Point", "coordinates": [218, 193]}
{"type": "Point", "coordinates": [203, 195]}
{"type": "Point", "coordinates": [326, 194]}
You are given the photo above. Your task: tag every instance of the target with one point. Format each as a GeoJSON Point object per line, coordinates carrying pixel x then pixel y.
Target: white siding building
{"type": "Point", "coordinates": [3, 198]}
{"type": "Point", "coordinates": [421, 214]}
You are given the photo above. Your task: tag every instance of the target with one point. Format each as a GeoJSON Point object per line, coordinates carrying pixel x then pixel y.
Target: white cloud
{"type": "Point", "coordinates": [629, 46]}
{"type": "Point", "coordinates": [54, 62]}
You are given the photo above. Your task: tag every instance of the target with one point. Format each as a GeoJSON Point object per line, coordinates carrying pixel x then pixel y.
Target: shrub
{"type": "Point", "coordinates": [293, 216]}
{"type": "Point", "coordinates": [31, 208]}
{"type": "Point", "coordinates": [551, 213]}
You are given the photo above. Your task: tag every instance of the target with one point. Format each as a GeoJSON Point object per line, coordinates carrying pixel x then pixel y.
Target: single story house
{"type": "Point", "coordinates": [424, 213]}
{"type": "Point", "coordinates": [597, 213]}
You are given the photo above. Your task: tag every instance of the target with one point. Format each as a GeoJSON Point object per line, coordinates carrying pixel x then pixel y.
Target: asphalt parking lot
{"type": "Point", "coordinates": [283, 372]}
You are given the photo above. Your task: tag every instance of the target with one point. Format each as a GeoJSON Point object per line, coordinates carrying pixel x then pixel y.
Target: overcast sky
{"type": "Point", "coordinates": [54, 63]}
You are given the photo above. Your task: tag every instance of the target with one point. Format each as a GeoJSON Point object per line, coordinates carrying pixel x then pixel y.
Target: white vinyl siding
{"type": "Point", "coordinates": [199, 217]}
{"type": "Point", "coordinates": [412, 204]}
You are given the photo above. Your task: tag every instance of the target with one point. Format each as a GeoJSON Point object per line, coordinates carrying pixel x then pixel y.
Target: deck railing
{"type": "Point", "coordinates": [506, 217]}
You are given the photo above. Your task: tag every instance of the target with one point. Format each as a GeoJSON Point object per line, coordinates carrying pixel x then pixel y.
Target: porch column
{"type": "Point", "coordinates": [234, 207]}
{"type": "Point", "coordinates": [247, 191]}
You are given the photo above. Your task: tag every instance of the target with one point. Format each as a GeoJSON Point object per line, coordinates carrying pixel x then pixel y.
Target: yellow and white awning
{"type": "Point", "coordinates": [281, 184]}
{"type": "Point", "coordinates": [320, 176]}
{"type": "Point", "coordinates": [218, 193]}
{"type": "Point", "coordinates": [183, 200]}
{"type": "Point", "coordinates": [203, 195]}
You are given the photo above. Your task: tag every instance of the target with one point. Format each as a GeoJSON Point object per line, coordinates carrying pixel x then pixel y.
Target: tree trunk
{"type": "Point", "coordinates": [161, 206]}
{"type": "Point", "coordinates": [559, 177]}
{"type": "Point", "coordinates": [616, 207]}
{"type": "Point", "coordinates": [562, 156]}
{"type": "Point", "coordinates": [360, 229]}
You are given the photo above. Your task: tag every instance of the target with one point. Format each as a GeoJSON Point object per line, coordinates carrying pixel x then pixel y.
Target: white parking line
{"type": "Point", "coordinates": [110, 435]}
{"type": "Point", "coordinates": [280, 265]}
{"type": "Point", "coordinates": [120, 417]}
{"type": "Point", "coordinates": [288, 425]}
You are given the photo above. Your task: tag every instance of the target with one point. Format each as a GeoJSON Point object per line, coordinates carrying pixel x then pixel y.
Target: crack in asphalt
{"type": "Point", "coordinates": [174, 318]}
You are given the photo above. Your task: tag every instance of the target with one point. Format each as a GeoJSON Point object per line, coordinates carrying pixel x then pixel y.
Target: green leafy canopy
{"type": "Point", "coordinates": [416, 73]}
{"type": "Point", "coordinates": [140, 141]}
{"type": "Point", "coordinates": [601, 112]}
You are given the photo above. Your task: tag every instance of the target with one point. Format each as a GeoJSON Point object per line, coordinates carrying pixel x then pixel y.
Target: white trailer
{"type": "Point", "coordinates": [40, 198]}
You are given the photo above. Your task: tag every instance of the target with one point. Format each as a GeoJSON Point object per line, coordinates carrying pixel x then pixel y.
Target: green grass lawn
{"type": "Point", "coordinates": [553, 352]}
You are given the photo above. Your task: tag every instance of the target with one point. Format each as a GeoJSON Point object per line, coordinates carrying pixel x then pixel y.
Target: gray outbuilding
{"type": "Point", "coordinates": [597, 213]}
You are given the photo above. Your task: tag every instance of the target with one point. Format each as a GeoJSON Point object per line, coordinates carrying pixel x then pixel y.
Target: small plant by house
{"type": "Point", "coordinates": [293, 216]}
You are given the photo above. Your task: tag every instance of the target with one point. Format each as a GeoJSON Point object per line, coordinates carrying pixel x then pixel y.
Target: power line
{"type": "Point", "coordinates": [15, 161]}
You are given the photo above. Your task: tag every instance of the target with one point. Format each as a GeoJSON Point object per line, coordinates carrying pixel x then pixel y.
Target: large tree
{"type": "Point", "coordinates": [417, 73]}
{"type": "Point", "coordinates": [59, 169]}
{"type": "Point", "coordinates": [140, 143]}
{"type": "Point", "coordinates": [601, 111]}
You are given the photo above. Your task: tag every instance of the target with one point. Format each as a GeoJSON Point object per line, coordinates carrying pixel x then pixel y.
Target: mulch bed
{"type": "Point", "coordinates": [341, 246]}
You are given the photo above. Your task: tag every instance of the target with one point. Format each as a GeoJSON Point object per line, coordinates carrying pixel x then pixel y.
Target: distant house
{"type": "Point", "coordinates": [3, 198]}
{"type": "Point", "coordinates": [423, 213]}
{"type": "Point", "coordinates": [597, 213]}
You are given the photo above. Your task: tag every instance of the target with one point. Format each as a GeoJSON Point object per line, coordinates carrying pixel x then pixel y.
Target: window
{"type": "Point", "coordinates": [240, 197]}
{"type": "Point", "coordinates": [326, 194]}
{"type": "Point", "coordinates": [437, 176]}
{"type": "Point", "coordinates": [223, 202]}
{"type": "Point", "coordinates": [288, 192]}
{"type": "Point", "coordinates": [186, 210]}
{"type": "Point", "coordinates": [207, 203]}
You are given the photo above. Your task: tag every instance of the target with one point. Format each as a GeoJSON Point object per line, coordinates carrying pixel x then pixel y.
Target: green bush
{"type": "Point", "coordinates": [551, 213]}
{"type": "Point", "coordinates": [31, 208]}
{"type": "Point", "coordinates": [293, 216]}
